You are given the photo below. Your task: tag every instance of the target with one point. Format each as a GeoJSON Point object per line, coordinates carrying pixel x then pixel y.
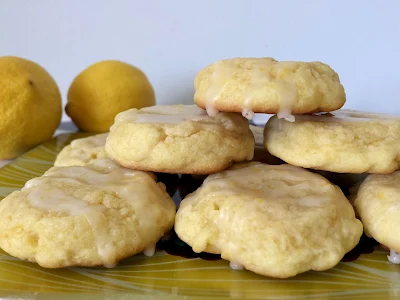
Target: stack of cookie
{"type": "Point", "coordinates": [343, 145]}
{"type": "Point", "coordinates": [274, 219]}
{"type": "Point", "coordinates": [358, 144]}
{"type": "Point", "coordinates": [254, 210]}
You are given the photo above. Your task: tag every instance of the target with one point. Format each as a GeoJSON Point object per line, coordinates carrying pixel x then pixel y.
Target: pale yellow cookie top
{"type": "Point", "coordinates": [291, 185]}
{"type": "Point", "coordinates": [82, 151]}
{"type": "Point", "coordinates": [172, 115]}
{"type": "Point", "coordinates": [265, 85]}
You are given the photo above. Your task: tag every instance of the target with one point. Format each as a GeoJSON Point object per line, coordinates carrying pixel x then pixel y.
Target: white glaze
{"type": "Point", "coordinates": [51, 199]}
{"type": "Point", "coordinates": [259, 78]}
{"type": "Point", "coordinates": [219, 78]}
{"type": "Point", "coordinates": [164, 114]}
{"type": "Point", "coordinates": [286, 91]}
{"type": "Point", "coordinates": [235, 266]}
{"type": "Point", "coordinates": [150, 250]}
{"type": "Point", "coordinates": [394, 257]}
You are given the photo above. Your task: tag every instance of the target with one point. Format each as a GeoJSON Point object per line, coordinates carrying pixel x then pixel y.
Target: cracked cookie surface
{"type": "Point", "coordinates": [276, 221]}
{"type": "Point", "coordinates": [179, 139]}
{"type": "Point", "coordinates": [264, 85]}
{"type": "Point", "coordinates": [93, 215]}
{"type": "Point", "coordinates": [344, 141]}
{"type": "Point", "coordinates": [82, 151]}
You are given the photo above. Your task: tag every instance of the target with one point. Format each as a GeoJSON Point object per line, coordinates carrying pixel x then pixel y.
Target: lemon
{"type": "Point", "coordinates": [105, 89]}
{"type": "Point", "coordinates": [30, 106]}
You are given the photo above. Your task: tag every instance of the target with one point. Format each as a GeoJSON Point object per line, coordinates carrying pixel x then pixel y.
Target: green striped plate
{"type": "Point", "coordinates": [166, 276]}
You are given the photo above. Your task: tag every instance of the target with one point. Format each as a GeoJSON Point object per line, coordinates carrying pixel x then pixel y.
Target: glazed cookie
{"type": "Point", "coordinates": [344, 141]}
{"type": "Point", "coordinates": [82, 151]}
{"type": "Point", "coordinates": [276, 221]}
{"type": "Point", "coordinates": [179, 139]}
{"type": "Point", "coordinates": [264, 85]}
{"type": "Point", "coordinates": [86, 150]}
{"type": "Point", "coordinates": [85, 216]}
{"type": "Point", "coordinates": [260, 153]}
{"type": "Point", "coordinates": [377, 202]}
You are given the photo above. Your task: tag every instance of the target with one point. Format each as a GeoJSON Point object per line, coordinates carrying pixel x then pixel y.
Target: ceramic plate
{"type": "Point", "coordinates": [175, 271]}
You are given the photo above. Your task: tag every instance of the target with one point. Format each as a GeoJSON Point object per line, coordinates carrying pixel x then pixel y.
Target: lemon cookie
{"type": "Point", "coordinates": [276, 221]}
{"type": "Point", "coordinates": [179, 139]}
{"type": "Point", "coordinates": [82, 151]}
{"type": "Point", "coordinates": [260, 153]}
{"type": "Point", "coordinates": [344, 141]}
{"type": "Point", "coordinates": [85, 216]}
{"type": "Point", "coordinates": [264, 85]}
{"type": "Point", "coordinates": [377, 202]}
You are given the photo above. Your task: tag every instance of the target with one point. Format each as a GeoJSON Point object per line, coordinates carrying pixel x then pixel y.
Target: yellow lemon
{"type": "Point", "coordinates": [30, 106]}
{"type": "Point", "coordinates": [105, 89]}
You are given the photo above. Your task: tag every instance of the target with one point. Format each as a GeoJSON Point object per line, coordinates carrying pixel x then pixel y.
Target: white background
{"type": "Point", "coordinates": [170, 40]}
